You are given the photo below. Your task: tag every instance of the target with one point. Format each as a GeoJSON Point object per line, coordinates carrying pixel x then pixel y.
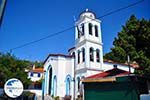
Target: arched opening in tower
{"type": "Point", "coordinates": [50, 81]}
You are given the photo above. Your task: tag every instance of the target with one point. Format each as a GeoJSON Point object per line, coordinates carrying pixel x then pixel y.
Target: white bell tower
{"type": "Point", "coordinates": [88, 44]}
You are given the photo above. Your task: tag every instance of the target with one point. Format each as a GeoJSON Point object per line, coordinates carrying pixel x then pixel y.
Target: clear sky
{"type": "Point", "coordinates": [28, 20]}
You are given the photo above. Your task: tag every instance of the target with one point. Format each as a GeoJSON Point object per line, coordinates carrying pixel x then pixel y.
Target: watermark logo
{"type": "Point", "coordinates": [13, 88]}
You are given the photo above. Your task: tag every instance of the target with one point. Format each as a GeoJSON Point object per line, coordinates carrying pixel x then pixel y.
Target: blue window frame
{"type": "Point", "coordinates": [39, 74]}
{"type": "Point", "coordinates": [31, 74]}
{"type": "Point", "coordinates": [55, 86]}
{"type": "Point", "coordinates": [68, 85]}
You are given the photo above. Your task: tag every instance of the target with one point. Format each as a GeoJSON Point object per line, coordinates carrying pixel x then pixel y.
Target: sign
{"type": "Point", "coordinates": [13, 88]}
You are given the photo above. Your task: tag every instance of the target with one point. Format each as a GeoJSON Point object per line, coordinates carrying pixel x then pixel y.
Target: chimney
{"type": "Point", "coordinates": [115, 66]}
{"type": "Point", "coordinates": [33, 67]}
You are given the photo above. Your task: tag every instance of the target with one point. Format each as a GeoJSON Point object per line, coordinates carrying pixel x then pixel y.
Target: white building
{"type": "Point", "coordinates": [35, 74]}
{"type": "Point", "coordinates": [64, 72]}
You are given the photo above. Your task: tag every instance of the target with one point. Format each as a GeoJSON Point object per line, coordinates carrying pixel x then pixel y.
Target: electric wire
{"type": "Point", "coordinates": [67, 29]}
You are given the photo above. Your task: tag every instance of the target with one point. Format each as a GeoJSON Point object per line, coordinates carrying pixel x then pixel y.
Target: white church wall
{"type": "Point", "coordinates": [51, 62]}
{"type": "Point", "coordinates": [70, 71]}
{"type": "Point", "coordinates": [61, 77]}
{"type": "Point", "coordinates": [61, 67]}
{"type": "Point", "coordinates": [108, 66]}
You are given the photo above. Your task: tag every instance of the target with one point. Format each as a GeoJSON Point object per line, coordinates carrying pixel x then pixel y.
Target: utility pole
{"type": "Point", "coordinates": [74, 77]}
{"type": "Point", "coordinates": [2, 9]}
{"type": "Point", "coordinates": [128, 57]}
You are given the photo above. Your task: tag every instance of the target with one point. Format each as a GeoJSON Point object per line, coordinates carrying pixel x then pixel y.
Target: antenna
{"type": "Point", "coordinates": [87, 10]}
{"type": "Point", "coordinates": [74, 18]}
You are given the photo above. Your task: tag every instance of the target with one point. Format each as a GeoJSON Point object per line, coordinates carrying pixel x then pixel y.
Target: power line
{"type": "Point", "coordinates": [67, 29]}
{"type": "Point", "coordinates": [51, 35]}
{"type": "Point", "coordinates": [117, 10]}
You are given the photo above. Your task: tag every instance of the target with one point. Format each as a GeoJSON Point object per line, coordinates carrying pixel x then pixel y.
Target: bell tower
{"type": "Point", "coordinates": [88, 44]}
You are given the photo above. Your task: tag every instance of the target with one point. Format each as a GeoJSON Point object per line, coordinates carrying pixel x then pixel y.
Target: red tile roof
{"type": "Point", "coordinates": [108, 73]}
{"type": "Point", "coordinates": [40, 70]}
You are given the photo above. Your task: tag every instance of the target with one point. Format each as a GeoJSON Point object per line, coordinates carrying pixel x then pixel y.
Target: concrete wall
{"type": "Point", "coordinates": [108, 66]}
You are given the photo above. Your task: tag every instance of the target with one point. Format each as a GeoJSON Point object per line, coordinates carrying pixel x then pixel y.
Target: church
{"type": "Point", "coordinates": [63, 73]}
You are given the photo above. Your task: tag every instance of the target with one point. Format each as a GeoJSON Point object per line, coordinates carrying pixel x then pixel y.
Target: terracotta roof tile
{"type": "Point", "coordinates": [108, 73]}
{"type": "Point", "coordinates": [41, 70]}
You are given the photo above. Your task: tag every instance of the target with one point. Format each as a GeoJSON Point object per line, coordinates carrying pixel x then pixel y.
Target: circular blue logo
{"type": "Point", "coordinates": [13, 88]}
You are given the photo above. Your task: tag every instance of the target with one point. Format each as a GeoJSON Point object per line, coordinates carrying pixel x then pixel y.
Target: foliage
{"type": "Point", "coordinates": [133, 40]}
{"type": "Point", "coordinates": [12, 67]}
{"type": "Point", "coordinates": [38, 64]}
{"type": "Point", "coordinates": [56, 98]}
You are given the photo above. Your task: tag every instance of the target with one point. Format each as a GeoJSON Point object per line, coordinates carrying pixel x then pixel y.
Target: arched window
{"type": "Point", "coordinates": [78, 56]}
{"type": "Point", "coordinates": [90, 28]}
{"type": "Point", "coordinates": [97, 55]}
{"type": "Point", "coordinates": [50, 80]}
{"type": "Point", "coordinates": [91, 54]}
{"type": "Point", "coordinates": [96, 30]}
{"type": "Point", "coordinates": [68, 85]}
{"type": "Point", "coordinates": [78, 80]}
{"type": "Point", "coordinates": [79, 34]}
{"type": "Point", "coordinates": [73, 54]}
{"type": "Point", "coordinates": [83, 54]}
{"type": "Point", "coordinates": [82, 29]}
{"type": "Point", "coordinates": [55, 85]}
{"type": "Point", "coordinates": [79, 31]}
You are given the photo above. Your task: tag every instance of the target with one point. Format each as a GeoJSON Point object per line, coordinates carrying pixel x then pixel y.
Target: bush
{"type": "Point", "coordinates": [56, 98]}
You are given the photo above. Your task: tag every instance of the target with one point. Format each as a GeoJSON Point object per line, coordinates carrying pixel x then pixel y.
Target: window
{"type": "Point", "coordinates": [96, 30]}
{"type": "Point", "coordinates": [79, 33]}
{"type": "Point", "coordinates": [83, 54]}
{"type": "Point", "coordinates": [38, 74]}
{"type": "Point", "coordinates": [82, 29]}
{"type": "Point", "coordinates": [91, 54]}
{"type": "Point", "coordinates": [78, 80]}
{"type": "Point", "coordinates": [90, 28]}
{"type": "Point", "coordinates": [31, 74]}
{"type": "Point", "coordinates": [55, 85]}
{"type": "Point", "coordinates": [73, 54]}
{"type": "Point", "coordinates": [97, 55]}
{"type": "Point", "coordinates": [78, 56]}
{"type": "Point", "coordinates": [68, 86]}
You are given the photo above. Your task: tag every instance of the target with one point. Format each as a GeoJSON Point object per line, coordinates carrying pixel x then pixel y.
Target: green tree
{"type": "Point", "coordinates": [133, 40]}
{"type": "Point", "coordinates": [12, 67]}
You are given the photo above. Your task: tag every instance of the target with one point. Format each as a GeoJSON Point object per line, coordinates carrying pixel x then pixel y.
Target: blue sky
{"type": "Point", "coordinates": [28, 20]}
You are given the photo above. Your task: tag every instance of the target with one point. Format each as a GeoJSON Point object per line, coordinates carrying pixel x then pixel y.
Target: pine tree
{"type": "Point", "coordinates": [133, 40]}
